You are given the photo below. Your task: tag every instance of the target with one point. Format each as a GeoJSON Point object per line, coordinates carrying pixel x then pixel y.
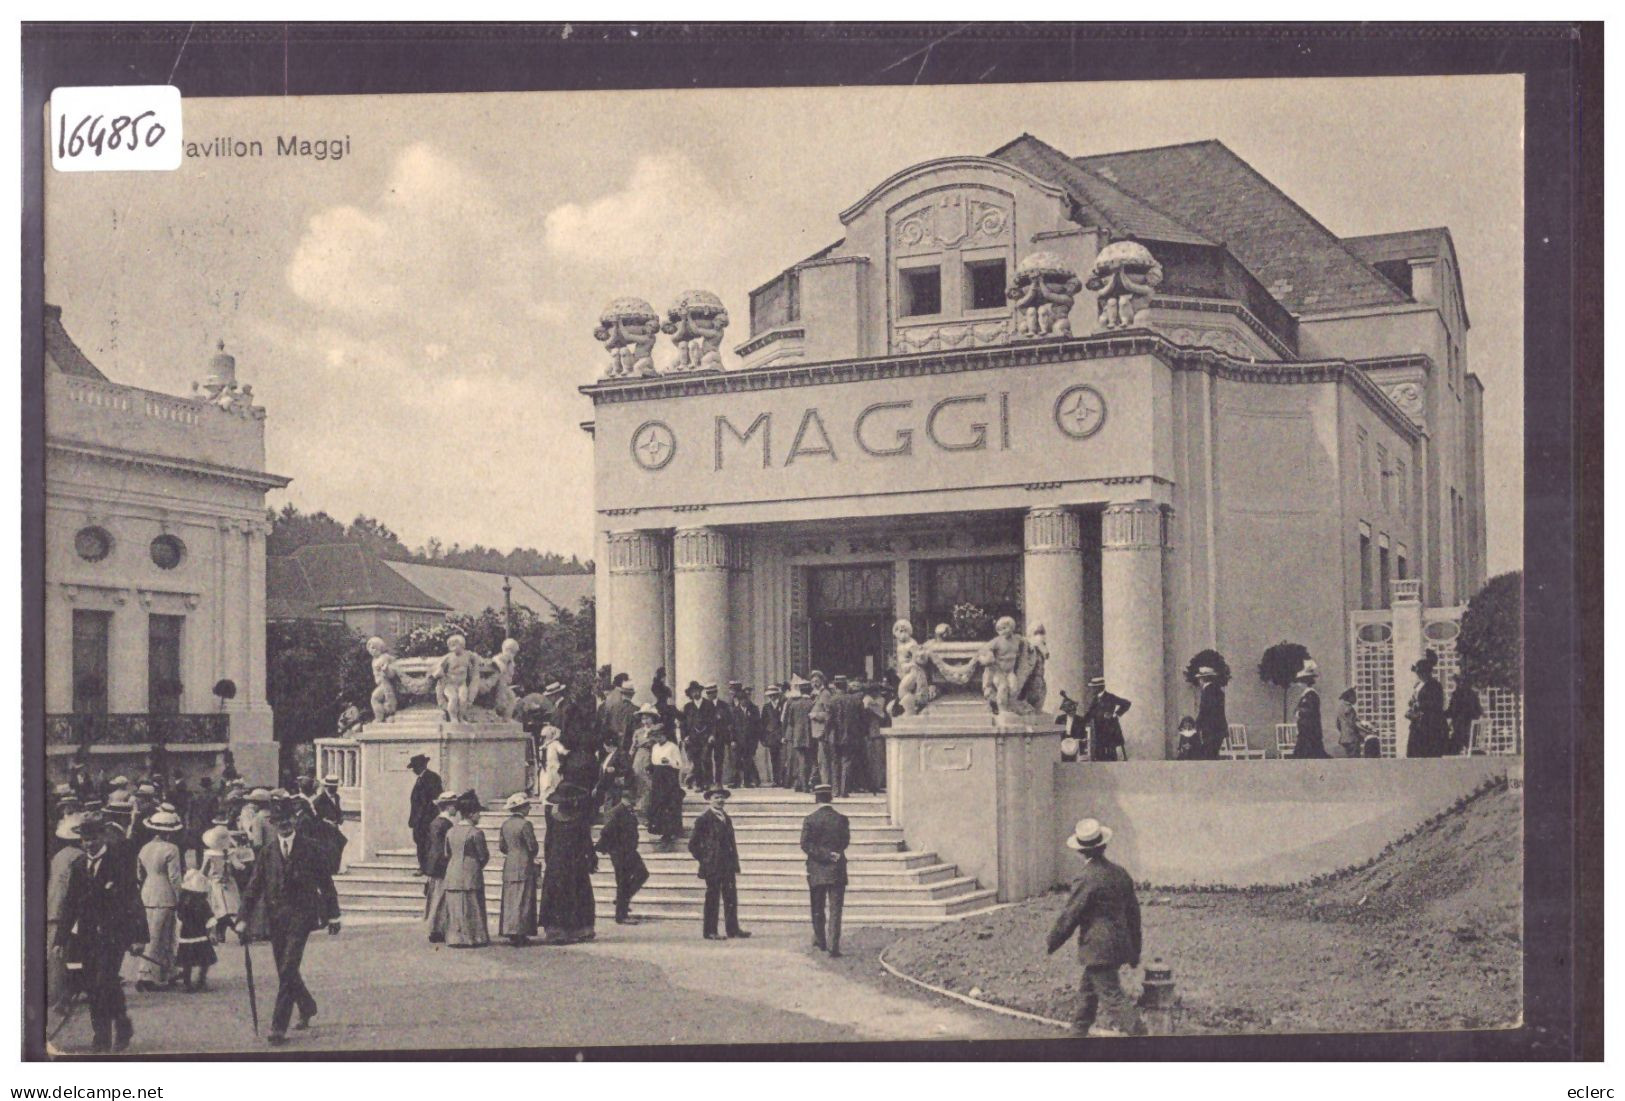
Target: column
{"type": "Point", "coordinates": [637, 559]}
{"type": "Point", "coordinates": [741, 604]}
{"type": "Point", "coordinates": [1133, 538]}
{"type": "Point", "coordinates": [701, 558]}
{"type": "Point", "coordinates": [1406, 606]}
{"type": "Point", "coordinates": [257, 531]}
{"type": "Point", "coordinates": [1052, 575]}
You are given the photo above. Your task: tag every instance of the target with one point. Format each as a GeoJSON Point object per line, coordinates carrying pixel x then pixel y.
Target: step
{"type": "Point", "coordinates": [855, 909]}
{"type": "Point", "coordinates": [752, 860]}
{"type": "Point", "coordinates": [690, 888]}
{"type": "Point", "coordinates": [862, 874]}
{"type": "Point", "coordinates": [363, 915]}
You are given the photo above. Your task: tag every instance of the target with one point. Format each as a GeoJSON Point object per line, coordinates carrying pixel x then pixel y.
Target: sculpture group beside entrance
{"type": "Point", "coordinates": [465, 687]}
{"type": "Point", "coordinates": [1011, 668]}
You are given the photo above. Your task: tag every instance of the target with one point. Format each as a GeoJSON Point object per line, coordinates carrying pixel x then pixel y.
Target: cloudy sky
{"type": "Point", "coordinates": [417, 316]}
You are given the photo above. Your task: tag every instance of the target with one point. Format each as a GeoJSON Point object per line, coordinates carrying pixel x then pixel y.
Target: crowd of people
{"type": "Point", "coordinates": [805, 731]}
{"type": "Point", "coordinates": [153, 874]}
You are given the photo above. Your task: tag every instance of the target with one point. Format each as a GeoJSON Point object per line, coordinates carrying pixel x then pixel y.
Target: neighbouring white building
{"type": "Point", "coordinates": [154, 568]}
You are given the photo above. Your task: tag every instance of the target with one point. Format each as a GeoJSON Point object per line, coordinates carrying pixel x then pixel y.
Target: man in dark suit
{"type": "Point", "coordinates": [745, 719]}
{"type": "Point", "coordinates": [619, 715]}
{"type": "Point", "coordinates": [102, 918]}
{"type": "Point", "coordinates": [825, 834]}
{"type": "Point", "coordinates": [1106, 916]}
{"type": "Point", "coordinates": [719, 748]}
{"type": "Point", "coordinates": [289, 896]}
{"type": "Point", "coordinates": [772, 733]}
{"type": "Point", "coordinates": [1103, 718]}
{"type": "Point", "coordinates": [425, 791]}
{"type": "Point", "coordinates": [712, 844]}
{"type": "Point", "coordinates": [698, 719]}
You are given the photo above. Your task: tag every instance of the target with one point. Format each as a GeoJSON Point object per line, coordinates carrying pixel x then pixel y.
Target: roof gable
{"type": "Point", "coordinates": [61, 350]}
{"type": "Point", "coordinates": [1101, 201]}
{"type": "Point", "coordinates": [345, 575]}
{"type": "Point", "coordinates": [1299, 261]}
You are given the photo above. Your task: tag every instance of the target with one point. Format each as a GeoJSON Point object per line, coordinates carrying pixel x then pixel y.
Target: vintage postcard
{"type": "Point", "coordinates": [1004, 561]}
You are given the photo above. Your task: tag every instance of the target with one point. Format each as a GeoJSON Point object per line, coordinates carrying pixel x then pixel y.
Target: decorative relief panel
{"type": "Point", "coordinates": [1220, 340]}
{"type": "Point", "coordinates": [953, 336]}
{"type": "Point", "coordinates": [952, 219]}
{"type": "Point", "coordinates": [1408, 396]}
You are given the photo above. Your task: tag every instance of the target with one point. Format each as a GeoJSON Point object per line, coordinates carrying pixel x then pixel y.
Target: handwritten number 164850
{"type": "Point", "coordinates": [123, 132]}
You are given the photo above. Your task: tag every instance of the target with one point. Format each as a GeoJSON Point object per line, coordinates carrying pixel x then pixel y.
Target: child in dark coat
{"type": "Point", "coordinates": [195, 943]}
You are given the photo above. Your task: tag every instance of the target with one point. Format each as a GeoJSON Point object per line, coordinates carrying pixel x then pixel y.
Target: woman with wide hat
{"type": "Point", "coordinates": [1429, 733]}
{"type": "Point", "coordinates": [517, 842]}
{"type": "Point", "coordinates": [568, 860]}
{"type": "Point", "coordinates": [159, 871]}
{"type": "Point", "coordinates": [467, 856]}
{"type": "Point", "coordinates": [665, 818]}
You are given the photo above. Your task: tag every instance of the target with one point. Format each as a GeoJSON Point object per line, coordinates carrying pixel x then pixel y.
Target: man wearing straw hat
{"type": "Point", "coordinates": [159, 871]}
{"type": "Point", "coordinates": [1105, 913]}
{"type": "Point", "coordinates": [66, 858]}
{"type": "Point", "coordinates": [101, 919]}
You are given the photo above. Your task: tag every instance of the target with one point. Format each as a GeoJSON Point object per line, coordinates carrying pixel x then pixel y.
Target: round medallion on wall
{"type": "Point", "coordinates": [167, 552]}
{"type": "Point", "coordinates": [1080, 411]}
{"type": "Point", "coordinates": [654, 445]}
{"type": "Point", "coordinates": [93, 543]}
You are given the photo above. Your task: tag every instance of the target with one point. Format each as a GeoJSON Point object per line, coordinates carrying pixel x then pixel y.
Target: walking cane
{"type": "Point", "coordinates": [253, 1004]}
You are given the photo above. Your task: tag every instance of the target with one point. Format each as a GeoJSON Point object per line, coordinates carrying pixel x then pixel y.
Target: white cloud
{"type": "Point", "coordinates": [669, 215]}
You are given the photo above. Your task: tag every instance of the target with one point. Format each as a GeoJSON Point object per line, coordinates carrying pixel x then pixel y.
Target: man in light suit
{"type": "Point", "coordinates": [1105, 914]}
{"type": "Point", "coordinates": [825, 834]}
{"type": "Point", "coordinates": [289, 896]}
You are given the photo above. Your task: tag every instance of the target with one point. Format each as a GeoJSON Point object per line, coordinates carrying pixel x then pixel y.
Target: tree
{"type": "Point", "coordinates": [292, 529]}
{"type": "Point", "coordinates": [1210, 659]}
{"type": "Point", "coordinates": [1280, 666]}
{"type": "Point", "coordinates": [313, 668]}
{"type": "Point", "coordinates": [1491, 640]}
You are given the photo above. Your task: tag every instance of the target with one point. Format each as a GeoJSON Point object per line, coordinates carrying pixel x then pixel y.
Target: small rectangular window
{"type": "Point", "coordinates": [90, 665]}
{"type": "Point", "coordinates": [1365, 571]}
{"type": "Point", "coordinates": [985, 285]}
{"type": "Point", "coordinates": [164, 664]}
{"type": "Point", "coordinates": [922, 292]}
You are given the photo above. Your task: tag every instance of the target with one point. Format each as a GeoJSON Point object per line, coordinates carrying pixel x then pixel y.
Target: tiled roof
{"type": "Point", "coordinates": [1206, 186]}
{"type": "Point", "coordinates": [288, 594]}
{"type": "Point", "coordinates": [342, 575]}
{"type": "Point", "coordinates": [1103, 203]}
{"type": "Point", "coordinates": [473, 591]}
{"type": "Point", "coordinates": [63, 352]}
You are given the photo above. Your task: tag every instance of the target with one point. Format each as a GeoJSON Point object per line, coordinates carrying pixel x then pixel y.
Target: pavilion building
{"type": "Point", "coordinates": [1143, 399]}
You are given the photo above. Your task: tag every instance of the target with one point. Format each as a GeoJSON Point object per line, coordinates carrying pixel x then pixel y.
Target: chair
{"type": "Point", "coordinates": [1235, 745]}
{"type": "Point", "coordinates": [1286, 738]}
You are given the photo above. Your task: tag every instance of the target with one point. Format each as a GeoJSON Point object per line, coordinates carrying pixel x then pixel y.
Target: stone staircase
{"type": "Point", "coordinates": [888, 885]}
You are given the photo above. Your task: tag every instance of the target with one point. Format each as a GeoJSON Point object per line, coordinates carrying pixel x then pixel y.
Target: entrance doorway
{"type": "Point", "coordinates": [850, 613]}
{"type": "Point", "coordinates": [853, 645]}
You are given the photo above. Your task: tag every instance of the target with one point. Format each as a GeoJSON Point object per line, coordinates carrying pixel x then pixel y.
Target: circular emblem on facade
{"type": "Point", "coordinates": [653, 445]}
{"type": "Point", "coordinates": [1080, 411]}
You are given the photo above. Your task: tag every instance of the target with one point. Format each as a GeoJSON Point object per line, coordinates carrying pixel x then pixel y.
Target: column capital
{"type": "Point", "coordinates": [1134, 525]}
{"type": "Point", "coordinates": [1052, 529]}
{"type": "Point", "coordinates": [706, 549]}
{"type": "Point", "coordinates": [638, 552]}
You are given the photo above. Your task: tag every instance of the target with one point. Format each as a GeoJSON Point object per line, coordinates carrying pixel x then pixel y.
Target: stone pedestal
{"type": "Point", "coordinates": [702, 559]}
{"type": "Point", "coordinates": [637, 562]}
{"type": "Point", "coordinates": [1052, 570]}
{"type": "Point", "coordinates": [252, 747]}
{"type": "Point", "coordinates": [1408, 647]}
{"type": "Point", "coordinates": [979, 791]}
{"type": "Point", "coordinates": [1132, 545]}
{"type": "Point", "coordinates": [486, 757]}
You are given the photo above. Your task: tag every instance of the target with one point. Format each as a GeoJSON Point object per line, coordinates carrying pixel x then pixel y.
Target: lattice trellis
{"type": "Point", "coordinates": [1374, 681]}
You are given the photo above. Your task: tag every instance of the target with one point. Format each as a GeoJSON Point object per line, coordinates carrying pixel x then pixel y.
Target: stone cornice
{"type": "Point", "coordinates": [762, 340]}
{"type": "Point", "coordinates": [119, 457]}
{"type": "Point", "coordinates": [1021, 353]}
{"type": "Point", "coordinates": [1220, 305]}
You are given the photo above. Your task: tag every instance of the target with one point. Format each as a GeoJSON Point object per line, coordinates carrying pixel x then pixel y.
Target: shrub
{"type": "Point", "coordinates": [1280, 665]}
{"type": "Point", "coordinates": [1491, 641]}
{"type": "Point", "coordinates": [1213, 660]}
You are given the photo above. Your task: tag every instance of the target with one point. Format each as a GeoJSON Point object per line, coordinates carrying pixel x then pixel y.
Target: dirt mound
{"type": "Point", "coordinates": [1428, 936]}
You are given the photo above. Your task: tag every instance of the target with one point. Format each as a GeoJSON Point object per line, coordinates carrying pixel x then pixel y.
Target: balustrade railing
{"type": "Point", "coordinates": [339, 757]}
{"type": "Point", "coordinates": [83, 728]}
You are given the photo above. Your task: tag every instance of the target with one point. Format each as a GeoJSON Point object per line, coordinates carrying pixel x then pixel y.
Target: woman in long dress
{"type": "Point", "coordinates": [467, 855]}
{"type": "Point", "coordinates": [567, 911]}
{"type": "Point", "coordinates": [517, 841]}
{"type": "Point", "coordinates": [1429, 734]}
{"type": "Point", "coordinates": [665, 787]}
{"type": "Point", "coordinates": [222, 853]}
